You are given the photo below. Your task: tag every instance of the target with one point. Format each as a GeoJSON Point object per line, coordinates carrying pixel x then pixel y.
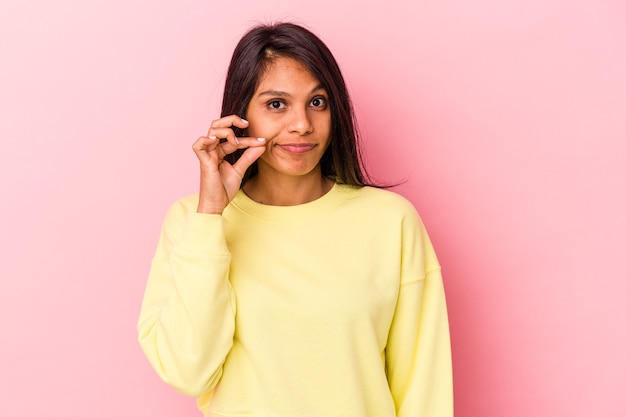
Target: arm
{"type": "Point", "coordinates": [187, 323]}
{"type": "Point", "coordinates": [419, 366]}
{"type": "Point", "coordinates": [418, 352]}
{"type": "Point", "coordinates": [187, 319]}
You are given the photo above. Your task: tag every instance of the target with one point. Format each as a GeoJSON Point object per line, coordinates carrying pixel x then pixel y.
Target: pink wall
{"type": "Point", "coordinates": [506, 118]}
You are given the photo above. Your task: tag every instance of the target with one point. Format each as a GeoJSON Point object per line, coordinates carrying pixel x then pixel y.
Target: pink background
{"type": "Point", "coordinates": [506, 118]}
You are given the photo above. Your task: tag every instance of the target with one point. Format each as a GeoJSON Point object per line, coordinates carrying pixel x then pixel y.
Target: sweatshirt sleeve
{"type": "Point", "coordinates": [187, 318]}
{"type": "Point", "coordinates": [419, 367]}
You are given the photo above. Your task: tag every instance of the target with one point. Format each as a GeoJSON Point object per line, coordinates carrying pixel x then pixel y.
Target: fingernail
{"type": "Point", "coordinates": [261, 139]}
{"type": "Point", "coordinates": [244, 120]}
{"type": "Point", "coordinates": [212, 137]}
{"type": "Point", "coordinates": [236, 140]}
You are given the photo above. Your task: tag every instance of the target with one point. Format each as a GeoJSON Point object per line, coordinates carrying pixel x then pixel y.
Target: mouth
{"type": "Point", "coordinates": [297, 147]}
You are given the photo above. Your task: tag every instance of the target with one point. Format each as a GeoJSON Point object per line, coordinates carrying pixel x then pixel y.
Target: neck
{"type": "Point", "coordinates": [287, 191]}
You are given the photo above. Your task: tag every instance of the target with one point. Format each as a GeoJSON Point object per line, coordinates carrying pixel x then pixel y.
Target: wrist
{"type": "Point", "coordinates": [209, 209]}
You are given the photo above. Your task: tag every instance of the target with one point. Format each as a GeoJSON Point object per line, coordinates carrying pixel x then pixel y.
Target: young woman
{"type": "Point", "coordinates": [288, 286]}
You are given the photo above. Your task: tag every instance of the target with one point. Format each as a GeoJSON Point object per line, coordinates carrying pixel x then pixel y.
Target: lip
{"type": "Point", "coordinates": [297, 147]}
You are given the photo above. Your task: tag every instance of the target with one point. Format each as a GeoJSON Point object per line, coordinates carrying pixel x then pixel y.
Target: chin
{"type": "Point", "coordinates": [292, 168]}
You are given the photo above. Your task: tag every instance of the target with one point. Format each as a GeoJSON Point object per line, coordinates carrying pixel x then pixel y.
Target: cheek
{"type": "Point", "coordinates": [324, 125]}
{"type": "Point", "coordinates": [263, 128]}
{"type": "Point", "coordinates": [322, 119]}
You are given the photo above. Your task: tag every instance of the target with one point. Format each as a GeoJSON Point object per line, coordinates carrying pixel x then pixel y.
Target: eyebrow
{"type": "Point", "coordinates": [278, 93]}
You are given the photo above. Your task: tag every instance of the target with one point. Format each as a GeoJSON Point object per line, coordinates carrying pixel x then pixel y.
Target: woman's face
{"type": "Point", "coordinates": [290, 110]}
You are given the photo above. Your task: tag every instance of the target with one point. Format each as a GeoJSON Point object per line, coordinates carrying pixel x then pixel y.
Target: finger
{"type": "Point", "coordinates": [247, 158]}
{"type": "Point", "coordinates": [204, 143]}
{"type": "Point", "coordinates": [228, 147]}
{"type": "Point", "coordinates": [205, 149]}
{"type": "Point", "coordinates": [229, 121]}
{"type": "Point", "coordinates": [224, 134]}
{"type": "Point", "coordinates": [220, 128]}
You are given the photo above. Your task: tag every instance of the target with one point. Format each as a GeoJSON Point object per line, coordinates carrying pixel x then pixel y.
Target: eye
{"type": "Point", "coordinates": [276, 104]}
{"type": "Point", "coordinates": [319, 102]}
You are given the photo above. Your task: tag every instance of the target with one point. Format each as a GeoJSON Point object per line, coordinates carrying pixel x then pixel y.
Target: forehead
{"type": "Point", "coordinates": [286, 74]}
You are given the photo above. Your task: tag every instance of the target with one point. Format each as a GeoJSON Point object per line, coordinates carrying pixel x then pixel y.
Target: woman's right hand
{"type": "Point", "coordinates": [219, 180]}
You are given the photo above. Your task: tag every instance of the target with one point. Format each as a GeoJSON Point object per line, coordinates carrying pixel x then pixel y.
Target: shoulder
{"type": "Point", "coordinates": [393, 218]}
{"type": "Point", "coordinates": [179, 211]}
{"type": "Point", "coordinates": [183, 205]}
{"type": "Point", "coordinates": [378, 200]}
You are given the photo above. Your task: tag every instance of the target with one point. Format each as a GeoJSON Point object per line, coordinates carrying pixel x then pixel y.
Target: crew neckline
{"type": "Point", "coordinates": [298, 212]}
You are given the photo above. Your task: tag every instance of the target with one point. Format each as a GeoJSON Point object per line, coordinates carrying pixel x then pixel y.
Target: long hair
{"type": "Point", "coordinates": [342, 161]}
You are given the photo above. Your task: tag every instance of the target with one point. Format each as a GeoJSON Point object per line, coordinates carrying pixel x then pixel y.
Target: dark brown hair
{"type": "Point", "coordinates": [342, 161]}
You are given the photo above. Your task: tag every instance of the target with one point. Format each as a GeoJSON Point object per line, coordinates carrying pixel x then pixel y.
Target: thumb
{"type": "Point", "coordinates": [248, 157]}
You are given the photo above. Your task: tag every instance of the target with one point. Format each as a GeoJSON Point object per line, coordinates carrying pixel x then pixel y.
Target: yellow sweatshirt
{"type": "Point", "coordinates": [334, 308]}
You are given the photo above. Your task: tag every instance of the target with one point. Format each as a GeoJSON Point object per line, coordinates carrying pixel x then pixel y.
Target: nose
{"type": "Point", "coordinates": [300, 122]}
